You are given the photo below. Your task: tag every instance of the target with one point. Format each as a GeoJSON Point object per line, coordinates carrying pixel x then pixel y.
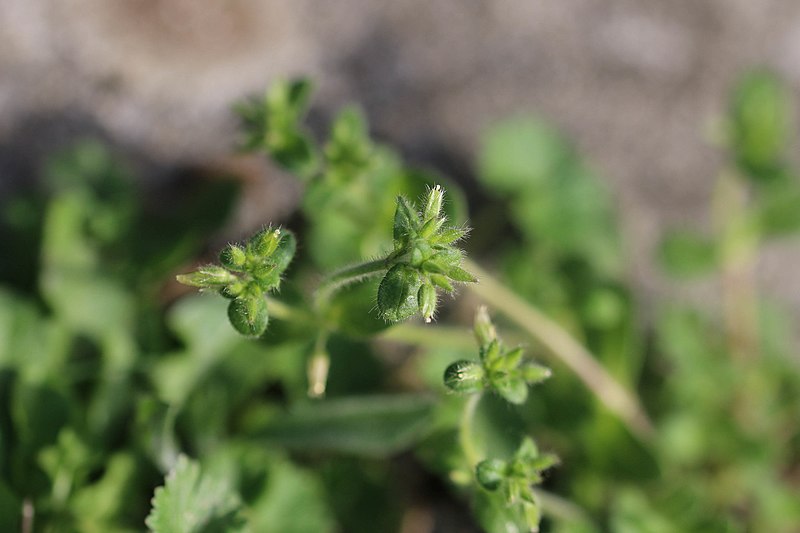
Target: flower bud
{"type": "Point", "coordinates": [431, 227]}
{"type": "Point", "coordinates": [284, 253]}
{"type": "Point", "coordinates": [233, 257]}
{"type": "Point", "coordinates": [248, 315]}
{"type": "Point", "coordinates": [433, 204]}
{"type": "Point", "coordinates": [426, 298]}
{"type": "Point", "coordinates": [265, 242]}
{"type": "Point", "coordinates": [485, 331]}
{"type": "Point", "coordinates": [233, 290]}
{"type": "Point", "coordinates": [465, 377]}
{"type": "Point", "coordinates": [406, 220]}
{"type": "Point", "coordinates": [207, 276]}
{"type": "Point", "coordinates": [534, 373]}
{"type": "Point", "coordinates": [491, 473]}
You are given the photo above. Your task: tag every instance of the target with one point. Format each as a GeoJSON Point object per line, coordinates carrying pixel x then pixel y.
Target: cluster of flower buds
{"type": "Point", "coordinates": [425, 258]}
{"type": "Point", "coordinates": [507, 372]}
{"type": "Point", "coordinates": [516, 477]}
{"type": "Point", "coordinates": [246, 275]}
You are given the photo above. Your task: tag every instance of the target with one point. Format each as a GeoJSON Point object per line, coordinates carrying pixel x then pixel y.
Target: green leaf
{"type": "Point", "coordinates": [349, 150]}
{"type": "Point", "coordinates": [191, 502]}
{"type": "Point", "coordinates": [10, 509]}
{"type": "Point", "coordinates": [293, 502]}
{"type": "Point", "coordinates": [285, 251]}
{"type": "Point", "coordinates": [632, 512]}
{"type": "Point", "coordinates": [778, 210]}
{"type": "Point", "coordinates": [271, 123]}
{"type": "Point", "coordinates": [496, 516]}
{"type": "Point", "coordinates": [295, 152]}
{"type": "Point", "coordinates": [352, 310]}
{"type": "Point", "coordinates": [197, 321]}
{"type": "Point", "coordinates": [685, 254]}
{"type": "Point", "coordinates": [459, 274]}
{"type": "Point", "coordinates": [511, 387]}
{"type": "Point", "coordinates": [406, 220]}
{"type": "Point", "coordinates": [102, 505]}
{"type": "Point", "coordinates": [761, 127]}
{"type": "Point", "coordinates": [520, 153]}
{"type": "Point", "coordinates": [290, 97]}
{"type": "Point", "coordinates": [73, 281]}
{"type": "Point", "coordinates": [369, 425]}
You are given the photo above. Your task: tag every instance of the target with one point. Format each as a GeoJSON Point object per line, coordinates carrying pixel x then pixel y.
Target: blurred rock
{"type": "Point", "coordinates": [636, 83]}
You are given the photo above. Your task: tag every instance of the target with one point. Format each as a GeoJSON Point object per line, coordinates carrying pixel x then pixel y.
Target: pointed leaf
{"type": "Point", "coordinates": [511, 387]}
{"type": "Point", "coordinates": [459, 274]}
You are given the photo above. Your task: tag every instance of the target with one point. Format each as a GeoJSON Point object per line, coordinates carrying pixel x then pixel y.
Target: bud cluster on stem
{"type": "Point", "coordinates": [246, 275]}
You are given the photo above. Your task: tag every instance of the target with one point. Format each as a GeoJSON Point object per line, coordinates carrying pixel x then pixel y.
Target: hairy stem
{"type": "Point", "coordinates": [561, 508]}
{"type": "Point", "coordinates": [348, 275]}
{"type": "Point", "coordinates": [738, 256]}
{"type": "Point", "coordinates": [563, 346]}
{"type": "Point", "coordinates": [438, 337]}
{"type": "Point", "coordinates": [284, 311]}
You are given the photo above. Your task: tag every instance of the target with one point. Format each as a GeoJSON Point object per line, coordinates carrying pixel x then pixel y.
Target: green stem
{"type": "Point", "coordinates": [465, 431]}
{"type": "Point", "coordinates": [348, 275]}
{"type": "Point", "coordinates": [560, 508]}
{"type": "Point", "coordinates": [562, 345]}
{"type": "Point", "coordinates": [288, 313]}
{"type": "Point", "coordinates": [440, 336]}
{"type": "Point", "coordinates": [738, 253]}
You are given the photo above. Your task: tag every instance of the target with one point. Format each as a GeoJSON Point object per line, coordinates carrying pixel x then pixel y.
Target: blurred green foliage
{"type": "Point", "coordinates": [107, 388]}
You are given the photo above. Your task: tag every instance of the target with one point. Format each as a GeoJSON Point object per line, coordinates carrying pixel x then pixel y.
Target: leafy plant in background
{"type": "Point", "coordinates": [742, 424]}
{"type": "Point", "coordinates": [312, 408]}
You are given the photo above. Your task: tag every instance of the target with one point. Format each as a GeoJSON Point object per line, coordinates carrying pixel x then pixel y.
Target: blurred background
{"type": "Point", "coordinates": [584, 132]}
{"type": "Point", "coordinates": [637, 85]}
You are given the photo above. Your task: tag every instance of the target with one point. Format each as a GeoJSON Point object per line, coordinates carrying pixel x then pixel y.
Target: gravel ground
{"type": "Point", "coordinates": [636, 83]}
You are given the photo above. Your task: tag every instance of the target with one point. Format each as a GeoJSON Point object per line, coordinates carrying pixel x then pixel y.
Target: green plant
{"type": "Point", "coordinates": [341, 398]}
{"type": "Point", "coordinates": [424, 259]}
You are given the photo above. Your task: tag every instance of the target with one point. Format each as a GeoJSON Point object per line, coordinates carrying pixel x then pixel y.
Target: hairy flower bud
{"type": "Point", "coordinates": [465, 377]}
{"type": "Point", "coordinates": [265, 242]}
{"type": "Point", "coordinates": [491, 473]}
{"type": "Point", "coordinates": [427, 301]}
{"type": "Point", "coordinates": [233, 257]}
{"type": "Point", "coordinates": [485, 331]}
{"type": "Point", "coordinates": [248, 314]}
{"type": "Point", "coordinates": [433, 204]}
{"type": "Point", "coordinates": [206, 277]}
